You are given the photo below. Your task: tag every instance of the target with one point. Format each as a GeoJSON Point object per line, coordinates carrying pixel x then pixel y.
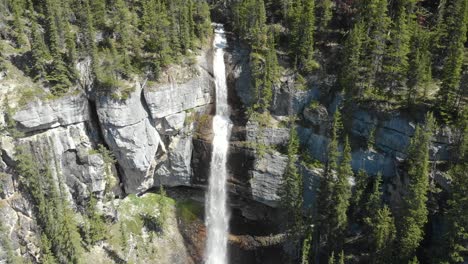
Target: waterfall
{"type": "Point", "coordinates": [217, 217]}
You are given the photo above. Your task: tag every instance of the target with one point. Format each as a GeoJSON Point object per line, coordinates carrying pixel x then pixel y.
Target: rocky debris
{"type": "Point", "coordinates": [267, 177]}
{"type": "Point", "coordinates": [247, 242]}
{"type": "Point", "coordinates": [40, 115]}
{"type": "Point", "coordinates": [132, 138]}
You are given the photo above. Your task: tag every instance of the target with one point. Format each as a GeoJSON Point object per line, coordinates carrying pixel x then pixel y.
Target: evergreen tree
{"type": "Point", "coordinates": [258, 32]}
{"type": "Point", "coordinates": [306, 31]}
{"type": "Point", "coordinates": [291, 191]}
{"type": "Point", "coordinates": [96, 229]}
{"type": "Point", "coordinates": [326, 203]}
{"type": "Point", "coordinates": [325, 13]}
{"type": "Point", "coordinates": [306, 245]}
{"type": "Point", "coordinates": [99, 13]}
{"type": "Point", "coordinates": [455, 246]}
{"type": "Point", "coordinates": [341, 195]}
{"type": "Point", "coordinates": [383, 234]}
{"type": "Point", "coordinates": [342, 257]}
{"type": "Point", "coordinates": [46, 255]}
{"type": "Point", "coordinates": [456, 25]}
{"type": "Point", "coordinates": [414, 211]}
{"type": "Point", "coordinates": [71, 46]}
{"type": "Point", "coordinates": [374, 201]}
{"type": "Point", "coordinates": [374, 15]}
{"type": "Point", "coordinates": [202, 20]}
{"type": "Point", "coordinates": [351, 69]}
{"type": "Point", "coordinates": [39, 52]}
{"type": "Point", "coordinates": [395, 64]}
{"type": "Point", "coordinates": [271, 74]}
{"type": "Point", "coordinates": [420, 75]}
{"type": "Point", "coordinates": [360, 179]}
{"type": "Point", "coordinates": [331, 259]}
{"type": "Point", "coordinates": [17, 7]}
{"type": "Point", "coordinates": [123, 19]}
{"type": "Point", "coordinates": [380, 225]}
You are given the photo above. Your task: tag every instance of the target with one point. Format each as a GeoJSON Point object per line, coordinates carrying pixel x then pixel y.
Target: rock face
{"type": "Point", "coordinates": [267, 177]}
{"type": "Point", "coordinates": [39, 115]}
{"type": "Point", "coordinates": [69, 151]}
{"type": "Point", "coordinates": [268, 135]}
{"type": "Point", "coordinates": [131, 137]}
{"type": "Point", "coordinates": [177, 106]}
{"type": "Point", "coordinates": [172, 98]}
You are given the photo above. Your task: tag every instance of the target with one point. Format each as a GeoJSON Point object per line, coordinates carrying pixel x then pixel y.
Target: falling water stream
{"type": "Point", "coordinates": [217, 217]}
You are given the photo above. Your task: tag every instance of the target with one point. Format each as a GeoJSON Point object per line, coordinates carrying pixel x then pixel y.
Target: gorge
{"type": "Point", "coordinates": [233, 131]}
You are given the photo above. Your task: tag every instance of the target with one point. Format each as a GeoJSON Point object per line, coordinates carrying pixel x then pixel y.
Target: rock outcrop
{"type": "Point", "coordinates": [40, 115]}
{"type": "Point", "coordinates": [130, 135]}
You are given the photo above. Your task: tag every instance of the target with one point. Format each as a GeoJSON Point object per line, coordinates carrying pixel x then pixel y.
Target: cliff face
{"type": "Point", "coordinates": [160, 133]}
{"type": "Point", "coordinates": [149, 133]}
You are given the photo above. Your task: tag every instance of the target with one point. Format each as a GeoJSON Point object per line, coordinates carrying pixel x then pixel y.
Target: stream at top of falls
{"type": "Point", "coordinates": [217, 215]}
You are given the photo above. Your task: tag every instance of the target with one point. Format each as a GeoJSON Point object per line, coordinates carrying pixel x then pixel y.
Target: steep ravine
{"type": "Point", "coordinates": [161, 134]}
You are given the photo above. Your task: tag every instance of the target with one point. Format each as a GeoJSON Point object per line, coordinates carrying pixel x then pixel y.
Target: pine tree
{"type": "Point", "coordinates": [342, 194]}
{"type": "Point", "coordinates": [39, 52]}
{"type": "Point", "coordinates": [18, 24]}
{"type": "Point", "coordinates": [383, 234]}
{"type": "Point", "coordinates": [414, 211]}
{"type": "Point", "coordinates": [342, 257]}
{"type": "Point", "coordinates": [305, 45]}
{"type": "Point", "coordinates": [174, 40]}
{"type": "Point", "coordinates": [202, 20]}
{"type": "Point", "coordinates": [123, 28]}
{"type": "Point", "coordinates": [455, 246]}
{"type": "Point", "coordinates": [96, 229]}
{"type": "Point", "coordinates": [351, 69]}
{"type": "Point", "coordinates": [357, 199]}
{"type": "Point", "coordinates": [291, 191]}
{"type": "Point", "coordinates": [395, 63]}
{"type": "Point", "coordinates": [71, 46]}
{"type": "Point", "coordinates": [99, 13]}
{"type": "Point", "coordinates": [271, 74]}
{"type": "Point", "coordinates": [46, 255]}
{"type": "Point", "coordinates": [326, 203]}
{"type": "Point", "coordinates": [420, 75]}
{"type": "Point", "coordinates": [374, 201]}
{"type": "Point", "coordinates": [258, 32]}
{"type": "Point", "coordinates": [326, 13]}
{"type": "Point", "coordinates": [306, 245]}
{"type": "Point", "coordinates": [456, 25]}
{"type": "Point", "coordinates": [331, 259]}
{"type": "Point", "coordinates": [374, 15]}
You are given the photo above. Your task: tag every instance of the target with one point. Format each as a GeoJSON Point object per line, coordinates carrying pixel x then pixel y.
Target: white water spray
{"type": "Point", "coordinates": [217, 217]}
